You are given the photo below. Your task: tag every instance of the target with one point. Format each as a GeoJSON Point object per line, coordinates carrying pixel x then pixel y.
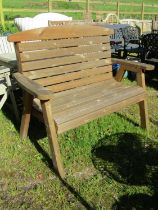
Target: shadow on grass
{"type": "Point", "coordinates": [36, 132]}
{"type": "Point", "coordinates": [126, 157]}
{"type": "Point", "coordinates": [127, 119]}
{"type": "Point", "coordinates": [151, 78]}
{"type": "Point", "coordinates": [137, 202]}
{"type": "Point", "coordinates": [131, 159]}
{"type": "Point", "coordinates": [7, 109]}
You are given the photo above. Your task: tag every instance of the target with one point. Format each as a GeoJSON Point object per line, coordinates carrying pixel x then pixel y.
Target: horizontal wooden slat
{"type": "Point", "coordinates": [67, 31]}
{"type": "Point", "coordinates": [73, 76]}
{"type": "Point", "coordinates": [76, 59]}
{"type": "Point", "coordinates": [80, 82]}
{"type": "Point", "coordinates": [76, 122]}
{"type": "Point", "coordinates": [45, 63]}
{"type": "Point", "coordinates": [81, 91]}
{"type": "Point", "coordinates": [72, 97]}
{"type": "Point", "coordinates": [47, 72]}
{"type": "Point", "coordinates": [59, 52]}
{"type": "Point", "coordinates": [57, 43]}
{"type": "Point", "coordinates": [98, 90]}
{"type": "Point", "coordinates": [99, 103]}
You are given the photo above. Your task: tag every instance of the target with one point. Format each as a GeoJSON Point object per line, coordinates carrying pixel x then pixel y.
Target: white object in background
{"type": "Point", "coordinates": [40, 20]}
{"type": "Point", "coordinates": [5, 46]}
{"type": "Point", "coordinates": [6, 90]}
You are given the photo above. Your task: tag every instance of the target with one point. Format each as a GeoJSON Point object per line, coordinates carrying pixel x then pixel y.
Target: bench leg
{"type": "Point", "coordinates": [144, 113]}
{"type": "Point", "coordinates": [14, 106]}
{"type": "Point", "coordinates": [28, 99]}
{"type": "Point", "coordinates": [52, 137]}
{"type": "Point", "coordinates": [12, 97]}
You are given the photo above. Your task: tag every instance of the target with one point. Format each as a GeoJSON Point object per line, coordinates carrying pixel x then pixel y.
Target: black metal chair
{"type": "Point", "coordinates": [131, 36]}
{"type": "Point", "coordinates": [149, 45]}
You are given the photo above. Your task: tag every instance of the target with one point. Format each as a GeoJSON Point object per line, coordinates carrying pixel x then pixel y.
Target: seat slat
{"type": "Point", "coordinates": [87, 94]}
{"type": "Point", "coordinates": [76, 122]}
{"type": "Point", "coordinates": [99, 103]}
{"type": "Point", "coordinates": [71, 98]}
{"type": "Point", "coordinates": [84, 90]}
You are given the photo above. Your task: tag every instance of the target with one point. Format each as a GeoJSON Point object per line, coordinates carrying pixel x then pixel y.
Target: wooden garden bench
{"type": "Point", "coordinates": [66, 72]}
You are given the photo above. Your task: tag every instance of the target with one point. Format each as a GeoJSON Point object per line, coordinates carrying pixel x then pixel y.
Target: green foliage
{"type": "Point", "coordinates": [70, 5]}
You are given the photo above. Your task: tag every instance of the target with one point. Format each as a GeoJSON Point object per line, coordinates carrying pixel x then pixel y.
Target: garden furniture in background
{"type": "Point", "coordinates": [40, 20]}
{"type": "Point", "coordinates": [116, 39]}
{"type": "Point", "coordinates": [6, 90]}
{"type": "Point", "coordinates": [131, 37]}
{"type": "Point", "coordinates": [6, 83]}
{"type": "Point", "coordinates": [66, 76]}
{"type": "Point", "coordinates": [111, 18]}
{"type": "Point", "coordinates": [144, 26]}
{"type": "Point", "coordinates": [149, 45]}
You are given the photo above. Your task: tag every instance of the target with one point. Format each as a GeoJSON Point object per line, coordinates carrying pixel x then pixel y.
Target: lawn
{"type": "Point", "coordinates": [111, 163]}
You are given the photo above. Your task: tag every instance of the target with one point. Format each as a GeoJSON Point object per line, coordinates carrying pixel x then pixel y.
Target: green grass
{"type": "Point", "coordinates": [64, 5]}
{"type": "Point", "coordinates": [111, 163]}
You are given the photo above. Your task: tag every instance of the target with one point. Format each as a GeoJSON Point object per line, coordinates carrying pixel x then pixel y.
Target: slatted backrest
{"type": "Point", "coordinates": [64, 57]}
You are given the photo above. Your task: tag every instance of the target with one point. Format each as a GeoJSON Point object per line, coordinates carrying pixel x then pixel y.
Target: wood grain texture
{"type": "Point", "coordinates": [54, 71]}
{"type": "Point", "coordinates": [63, 51]}
{"type": "Point", "coordinates": [33, 88]}
{"type": "Point", "coordinates": [77, 58]}
{"type": "Point", "coordinates": [28, 99]}
{"type": "Point", "coordinates": [52, 137]}
{"type": "Point", "coordinates": [61, 43]}
{"type": "Point", "coordinates": [133, 66]}
{"type": "Point", "coordinates": [65, 31]}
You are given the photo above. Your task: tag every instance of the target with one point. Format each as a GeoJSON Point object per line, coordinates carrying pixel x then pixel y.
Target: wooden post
{"type": "Point", "coordinates": [52, 137]}
{"type": "Point", "coordinates": [2, 15]}
{"type": "Point", "coordinates": [49, 5]}
{"type": "Point", "coordinates": [142, 16]}
{"type": "Point", "coordinates": [118, 9]}
{"type": "Point", "coordinates": [87, 15]}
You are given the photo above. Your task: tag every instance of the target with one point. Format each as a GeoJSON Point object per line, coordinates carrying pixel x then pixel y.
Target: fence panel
{"type": "Point", "coordinates": [81, 9]}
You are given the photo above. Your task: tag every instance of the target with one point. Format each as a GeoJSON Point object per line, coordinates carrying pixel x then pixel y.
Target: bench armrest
{"type": "Point", "coordinates": [32, 87]}
{"type": "Point", "coordinates": [136, 67]}
{"type": "Point", "coordinates": [133, 66]}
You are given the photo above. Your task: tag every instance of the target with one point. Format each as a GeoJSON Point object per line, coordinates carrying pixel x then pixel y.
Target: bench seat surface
{"type": "Point", "coordinates": [73, 107]}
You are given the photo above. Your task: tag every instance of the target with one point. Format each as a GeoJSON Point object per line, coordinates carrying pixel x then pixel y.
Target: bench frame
{"type": "Point", "coordinates": [33, 89]}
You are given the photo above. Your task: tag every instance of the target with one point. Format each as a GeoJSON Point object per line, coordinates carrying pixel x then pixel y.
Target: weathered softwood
{"type": "Point", "coordinates": [66, 72]}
